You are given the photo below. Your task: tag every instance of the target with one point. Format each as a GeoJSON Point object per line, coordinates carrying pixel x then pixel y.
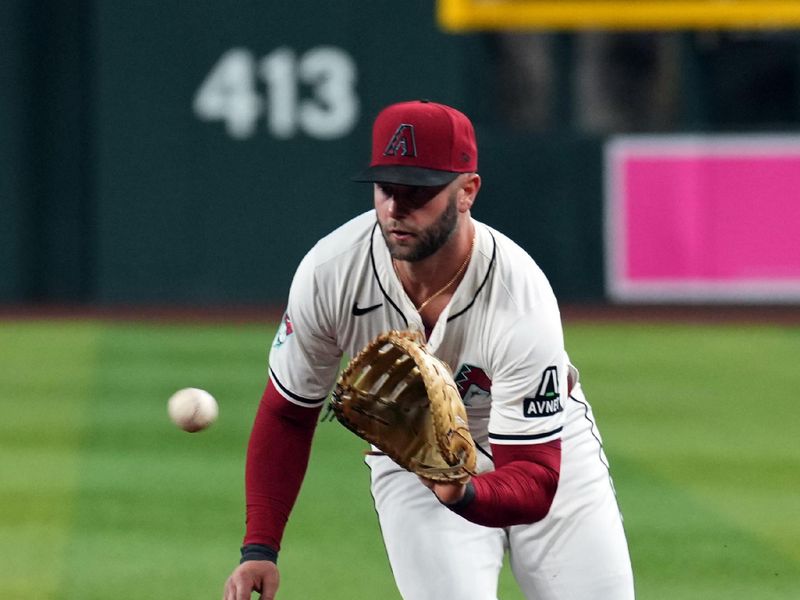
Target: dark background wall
{"type": "Point", "coordinates": [122, 183]}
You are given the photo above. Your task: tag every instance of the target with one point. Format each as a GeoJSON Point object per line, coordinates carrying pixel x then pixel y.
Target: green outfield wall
{"type": "Point", "coordinates": [190, 153]}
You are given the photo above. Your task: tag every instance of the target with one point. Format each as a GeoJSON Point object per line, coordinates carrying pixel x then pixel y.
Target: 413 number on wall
{"type": "Point", "coordinates": [312, 93]}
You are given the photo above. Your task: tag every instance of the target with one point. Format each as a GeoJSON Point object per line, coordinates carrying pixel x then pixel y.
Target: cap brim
{"type": "Point", "coordinates": [405, 175]}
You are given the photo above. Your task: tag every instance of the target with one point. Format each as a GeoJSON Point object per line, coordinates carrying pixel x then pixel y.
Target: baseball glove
{"type": "Point", "coordinates": [399, 397]}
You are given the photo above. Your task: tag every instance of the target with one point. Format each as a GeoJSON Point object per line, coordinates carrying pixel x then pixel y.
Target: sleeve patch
{"type": "Point", "coordinates": [547, 401]}
{"type": "Point", "coordinates": [284, 331]}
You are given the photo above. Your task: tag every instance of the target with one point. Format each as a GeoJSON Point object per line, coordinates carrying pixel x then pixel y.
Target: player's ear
{"type": "Point", "coordinates": [470, 183]}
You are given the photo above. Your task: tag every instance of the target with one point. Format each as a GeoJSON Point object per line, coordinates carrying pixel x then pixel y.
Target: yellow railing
{"type": "Point", "coordinates": [477, 15]}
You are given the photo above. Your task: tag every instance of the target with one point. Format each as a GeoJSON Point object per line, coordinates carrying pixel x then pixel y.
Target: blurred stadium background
{"type": "Point", "coordinates": [165, 165]}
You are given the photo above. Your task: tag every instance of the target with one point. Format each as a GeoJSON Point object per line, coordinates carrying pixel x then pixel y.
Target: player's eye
{"type": "Point", "coordinates": [420, 195]}
{"type": "Point", "coordinates": [385, 189]}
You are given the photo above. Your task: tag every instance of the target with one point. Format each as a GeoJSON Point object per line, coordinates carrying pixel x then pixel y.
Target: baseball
{"type": "Point", "coordinates": [192, 409]}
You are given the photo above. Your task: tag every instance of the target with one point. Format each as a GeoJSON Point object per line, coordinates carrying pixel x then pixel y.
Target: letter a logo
{"type": "Point", "coordinates": [402, 142]}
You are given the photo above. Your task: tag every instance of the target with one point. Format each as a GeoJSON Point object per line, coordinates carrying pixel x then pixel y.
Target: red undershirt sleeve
{"type": "Point", "coordinates": [277, 459]}
{"type": "Point", "coordinates": [519, 490]}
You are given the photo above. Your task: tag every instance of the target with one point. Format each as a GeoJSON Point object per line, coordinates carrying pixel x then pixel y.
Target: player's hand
{"type": "Point", "coordinates": [447, 492]}
{"type": "Point", "coordinates": [252, 576]}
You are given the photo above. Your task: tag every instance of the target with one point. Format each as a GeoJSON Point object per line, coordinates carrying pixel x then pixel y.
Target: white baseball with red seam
{"type": "Point", "coordinates": [192, 409]}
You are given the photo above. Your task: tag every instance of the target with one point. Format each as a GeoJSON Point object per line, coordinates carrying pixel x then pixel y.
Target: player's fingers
{"type": "Point", "coordinates": [236, 589]}
{"type": "Point", "coordinates": [267, 596]}
{"type": "Point", "coordinates": [253, 576]}
{"type": "Point", "coordinates": [229, 593]}
{"type": "Point", "coordinates": [243, 590]}
{"type": "Point", "coordinates": [269, 584]}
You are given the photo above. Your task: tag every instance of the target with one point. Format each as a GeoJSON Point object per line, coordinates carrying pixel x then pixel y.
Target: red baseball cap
{"type": "Point", "coordinates": [420, 143]}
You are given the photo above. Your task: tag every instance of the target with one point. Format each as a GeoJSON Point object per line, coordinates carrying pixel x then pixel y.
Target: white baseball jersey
{"type": "Point", "coordinates": [501, 334]}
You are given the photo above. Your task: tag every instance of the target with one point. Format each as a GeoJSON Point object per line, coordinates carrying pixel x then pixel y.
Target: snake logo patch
{"type": "Point", "coordinates": [473, 384]}
{"type": "Point", "coordinates": [547, 401]}
{"type": "Point", "coordinates": [284, 331]}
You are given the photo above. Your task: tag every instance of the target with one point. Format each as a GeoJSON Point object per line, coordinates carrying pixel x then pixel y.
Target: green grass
{"type": "Point", "coordinates": [102, 497]}
{"type": "Point", "coordinates": [703, 431]}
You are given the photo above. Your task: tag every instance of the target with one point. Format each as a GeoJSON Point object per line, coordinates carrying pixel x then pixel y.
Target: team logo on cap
{"type": "Point", "coordinates": [402, 142]}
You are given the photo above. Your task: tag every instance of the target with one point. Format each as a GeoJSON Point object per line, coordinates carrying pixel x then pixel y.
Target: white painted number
{"type": "Point", "coordinates": [333, 112]}
{"type": "Point", "coordinates": [229, 93]}
{"type": "Point", "coordinates": [278, 70]}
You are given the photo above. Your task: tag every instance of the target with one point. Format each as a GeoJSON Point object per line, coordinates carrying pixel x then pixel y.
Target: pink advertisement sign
{"type": "Point", "coordinates": [703, 219]}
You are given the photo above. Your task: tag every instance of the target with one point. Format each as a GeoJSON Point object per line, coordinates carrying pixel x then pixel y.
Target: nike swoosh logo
{"type": "Point", "coordinates": [358, 311]}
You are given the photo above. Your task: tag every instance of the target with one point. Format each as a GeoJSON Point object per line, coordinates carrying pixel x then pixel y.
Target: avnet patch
{"type": "Point", "coordinates": [542, 407]}
{"type": "Point", "coordinates": [547, 401]}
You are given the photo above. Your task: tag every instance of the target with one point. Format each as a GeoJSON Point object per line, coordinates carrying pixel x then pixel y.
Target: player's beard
{"type": "Point", "coordinates": [428, 240]}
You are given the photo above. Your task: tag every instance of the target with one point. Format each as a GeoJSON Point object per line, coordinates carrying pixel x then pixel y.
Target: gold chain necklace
{"type": "Point", "coordinates": [441, 290]}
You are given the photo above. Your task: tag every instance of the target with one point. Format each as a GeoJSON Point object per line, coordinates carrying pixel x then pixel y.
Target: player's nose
{"type": "Point", "coordinates": [396, 207]}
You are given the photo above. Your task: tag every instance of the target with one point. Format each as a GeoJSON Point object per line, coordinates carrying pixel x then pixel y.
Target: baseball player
{"type": "Point", "coordinates": [419, 261]}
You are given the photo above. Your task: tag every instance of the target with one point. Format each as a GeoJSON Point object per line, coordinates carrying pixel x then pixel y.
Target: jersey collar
{"type": "Point", "coordinates": [466, 294]}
